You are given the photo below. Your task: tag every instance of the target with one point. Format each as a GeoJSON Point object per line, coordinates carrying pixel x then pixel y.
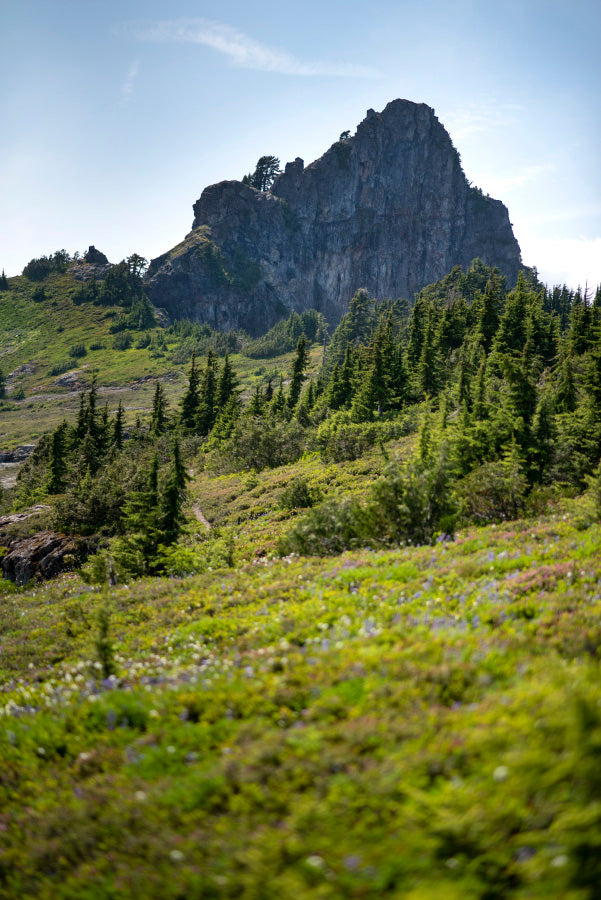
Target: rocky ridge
{"type": "Point", "coordinates": [388, 209]}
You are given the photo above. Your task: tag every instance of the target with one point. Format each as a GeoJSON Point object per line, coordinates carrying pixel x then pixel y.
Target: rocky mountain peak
{"type": "Point", "coordinates": [388, 209]}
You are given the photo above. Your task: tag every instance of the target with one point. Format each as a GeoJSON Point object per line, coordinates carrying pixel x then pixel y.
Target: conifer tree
{"type": "Point", "coordinates": [227, 385]}
{"type": "Point", "coordinates": [255, 408]}
{"type": "Point", "coordinates": [298, 372]}
{"type": "Point", "coordinates": [465, 391]}
{"type": "Point", "coordinates": [480, 406]}
{"type": "Point", "coordinates": [278, 404]}
{"type": "Point", "coordinates": [57, 463]}
{"type": "Point", "coordinates": [269, 391]}
{"type": "Point", "coordinates": [2, 385]}
{"type": "Point", "coordinates": [335, 397]}
{"type": "Point", "coordinates": [80, 428]}
{"type": "Point", "coordinates": [171, 518]}
{"type": "Point", "coordinates": [136, 552]}
{"type": "Point", "coordinates": [543, 437]}
{"type": "Point", "coordinates": [191, 399]}
{"type": "Point", "coordinates": [488, 319]}
{"type": "Point", "coordinates": [428, 370]}
{"type": "Point", "coordinates": [510, 334]}
{"type": "Point", "coordinates": [158, 418]}
{"type": "Point", "coordinates": [207, 409]}
{"type": "Point", "coordinates": [566, 397]}
{"type": "Point", "coordinates": [118, 427]}
{"type": "Point", "coordinates": [346, 374]}
{"type": "Point", "coordinates": [3, 282]}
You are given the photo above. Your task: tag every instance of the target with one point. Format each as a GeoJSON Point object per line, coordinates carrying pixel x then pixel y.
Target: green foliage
{"type": "Point", "coordinates": [266, 171]}
{"type": "Point", "coordinates": [284, 336]}
{"type": "Point", "coordinates": [257, 444]}
{"type": "Point", "coordinates": [494, 491]}
{"type": "Point", "coordinates": [300, 494]}
{"type": "Point", "coordinates": [103, 644]}
{"type": "Point", "coordinates": [122, 341]}
{"type": "Point", "coordinates": [40, 268]}
{"type": "Point", "coordinates": [77, 351]}
{"type": "Point", "coordinates": [407, 505]}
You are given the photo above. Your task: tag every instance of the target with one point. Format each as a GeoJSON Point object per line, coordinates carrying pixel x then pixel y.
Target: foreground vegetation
{"type": "Point", "coordinates": [367, 661]}
{"type": "Point", "coordinates": [420, 722]}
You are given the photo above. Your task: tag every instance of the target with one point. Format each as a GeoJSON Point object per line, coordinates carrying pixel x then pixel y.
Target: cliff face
{"type": "Point", "coordinates": [389, 209]}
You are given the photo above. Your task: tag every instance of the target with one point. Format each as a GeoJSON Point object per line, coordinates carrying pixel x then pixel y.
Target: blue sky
{"type": "Point", "coordinates": [115, 115]}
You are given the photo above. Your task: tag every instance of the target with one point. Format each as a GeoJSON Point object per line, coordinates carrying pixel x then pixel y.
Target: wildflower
{"type": "Point", "coordinates": [500, 773]}
{"type": "Point", "coordinates": [176, 855]}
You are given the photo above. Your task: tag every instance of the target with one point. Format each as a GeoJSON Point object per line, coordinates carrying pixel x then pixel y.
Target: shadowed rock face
{"type": "Point", "coordinates": [389, 210]}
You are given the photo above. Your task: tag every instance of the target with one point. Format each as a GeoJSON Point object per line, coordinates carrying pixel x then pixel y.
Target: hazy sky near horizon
{"type": "Point", "coordinates": [115, 115]}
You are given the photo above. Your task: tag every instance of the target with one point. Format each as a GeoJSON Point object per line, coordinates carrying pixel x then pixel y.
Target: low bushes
{"type": "Point", "coordinates": [409, 505]}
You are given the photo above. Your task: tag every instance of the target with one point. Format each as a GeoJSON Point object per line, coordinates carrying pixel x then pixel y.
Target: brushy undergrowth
{"type": "Point", "coordinates": [419, 722]}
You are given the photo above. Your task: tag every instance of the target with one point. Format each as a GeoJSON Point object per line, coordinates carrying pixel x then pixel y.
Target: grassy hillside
{"type": "Point", "coordinates": [413, 723]}
{"type": "Point", "coordinates": [35, 343]}
{"type": "Point", "coordinates": [396, 721]}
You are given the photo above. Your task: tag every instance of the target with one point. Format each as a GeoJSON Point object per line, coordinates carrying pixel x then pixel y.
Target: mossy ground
{"type": "Point", "coordinates": [413, 723]}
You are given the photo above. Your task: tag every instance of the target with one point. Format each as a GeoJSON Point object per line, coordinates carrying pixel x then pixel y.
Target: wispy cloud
{"type": "Point", "coordinates": [128, 85]}
{"type": "Point", "coordinates": [500, 184]}
{"type": "Point", "coordinates": [245, 52]}
{"type": "Point", "coordinates": [484, 116]}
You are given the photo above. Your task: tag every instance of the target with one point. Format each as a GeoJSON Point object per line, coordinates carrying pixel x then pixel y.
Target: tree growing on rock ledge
{"type": "Point", "coordinates": [268, 167]}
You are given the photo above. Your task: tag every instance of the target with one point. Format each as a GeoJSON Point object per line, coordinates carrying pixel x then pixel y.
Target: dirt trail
{"type": "Point", "coordinates": [201, 516]}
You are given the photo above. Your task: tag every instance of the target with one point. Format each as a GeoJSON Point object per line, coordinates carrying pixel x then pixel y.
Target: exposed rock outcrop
{"type": "Point", "coordinates": [44, 555]}
{"type": "Point", "coordinates": [94, 264]}
{"type": "Point", "coordinates": [388, 209]}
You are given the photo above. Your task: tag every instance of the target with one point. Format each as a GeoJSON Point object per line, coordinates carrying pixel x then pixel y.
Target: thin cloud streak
{"type": "Point", "coordinates": [480, 118]}
{"type": "Point", "coordinates": [503, 184]}
{"type": "Point", "coordinates": [245, 52]}
{"type": "Point", "coordinates": [130, 80]}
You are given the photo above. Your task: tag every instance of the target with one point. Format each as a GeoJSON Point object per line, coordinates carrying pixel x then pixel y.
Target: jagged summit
{"type": "Point", "coordinates": [388, 209]}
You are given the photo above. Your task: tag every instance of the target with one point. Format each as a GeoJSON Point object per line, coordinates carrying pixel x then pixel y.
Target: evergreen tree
{"type": "Point", "coordinates": [465, 388]}
{"type": "Point", "coordinates": [278, 404]}
{"type": "Point", "coordinates": [489, 313]}
{"type": "Point", "coordinates": [171, 518]}
{"type": "Point", "coordinates": [269, 391]}
{"type": "Point", "coordinates": [543, 437]}
{"type": "Point", "coordinates": [118, 427]}
{"type": "Point", "coordinates": [579, 334]}
{"type": "Point", "coordinates": [57, 463]}
{"type": "Point", "coordinates": [512, 326]}
{"type": "Point", "coordinates": [298, 372]}
{"type": "Point", "coordinates": [191, 400]}
{"type": "Point", "coordinates": [480, 405]}
{"type": "Point", "coordinates": [266, 171]}
{"type": "Point", "coordinates": [335, 397]}
{"type": "Point", "coordinates": [207, 410]}
{"type": "Point", "coordinates": [566, 397]}
{"type": "Point", "coordinates": [227, 385]}
{"type": "Point", "coordinates": [3, 282]}
{"type": "Point", "coordinates": [136, 552]}
{"type": "Point", "coordinates": [347, 375]}
{"type": "Point", "coordinates": [428, 370]}
{"type": "Point", "coordinates": [2, 385]}
{"type": "Point", "coordinates": [158, 418]}
{"type": "Point", "coordinates": [255, 408]}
